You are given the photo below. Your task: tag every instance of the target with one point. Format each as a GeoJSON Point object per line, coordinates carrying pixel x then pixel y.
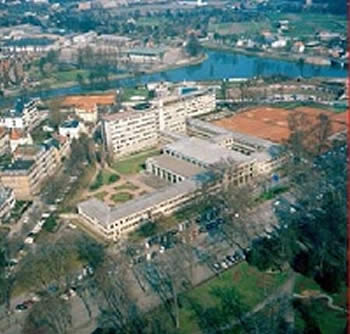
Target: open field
{"type": "Point", "coordinates": [238, 28]}
{"type": "Point", "coordinates": [134, 163]}
{"type": "Point", "coordinates": [65, 76]}
{"type": "Point", "coordinates": [272, 123]}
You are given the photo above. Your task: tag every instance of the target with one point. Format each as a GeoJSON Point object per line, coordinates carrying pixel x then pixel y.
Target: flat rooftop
{"type": "Point", "coordinates": [18, 165]}
{"type": "Point", "coordinates": [123, 115]}
{"type": "Point", "coordinates": [204, 151]}
{"type": "Point", "coordinates": [216, 130]}
{"type": "Point", "coordinates": [27, 150]}
{"type": "Point", "coordinates": [177, 166]}
{"type": "Point", "coordinates": [106, 215]}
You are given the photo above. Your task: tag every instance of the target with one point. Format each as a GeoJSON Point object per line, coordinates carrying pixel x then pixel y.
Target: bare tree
{"type": "Point", "coordinates": [51, 315]}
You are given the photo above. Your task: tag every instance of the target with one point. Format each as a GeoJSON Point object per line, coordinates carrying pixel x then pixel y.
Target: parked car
{"type": "Point", "coordinates": [216, 266]}
{"type": "Point", "coordinates": [224, 264]}
{"type": "Point", "coordinates": [29, 240]}
{"type": "Point", "coordinates": [21, 308]}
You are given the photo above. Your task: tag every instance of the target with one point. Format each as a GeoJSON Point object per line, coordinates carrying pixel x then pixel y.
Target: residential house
{"type": "Point", "coordinates": [70, 128]}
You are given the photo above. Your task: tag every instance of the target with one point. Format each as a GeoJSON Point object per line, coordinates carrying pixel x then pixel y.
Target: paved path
{"type": "Point", "coordinates": [330, 302]}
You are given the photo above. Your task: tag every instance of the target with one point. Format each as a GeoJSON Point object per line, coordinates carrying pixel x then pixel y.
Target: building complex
{"type": "Point", "coordinates": [192, 150]}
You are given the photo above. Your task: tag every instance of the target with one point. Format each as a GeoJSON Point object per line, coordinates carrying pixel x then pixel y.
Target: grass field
{"type": "Point", "coordinates": [128, 93]}
{"type": "Point", "coordinates": [66, 76]}
{"type": "Point", "coordinates": [239, 28]}
{"type": "Point", "coordinates": [101, 195]}
{"type": "Point", "coordinates": [328, 320]}
{"type": "Point", "coordinates": [253, 285]}
{"type": "Point", "coordinates": [134, 163]}
{"type": "Point", "coordinates": [305, 24]}
{"type": "Point", "coordinates": [121, 197]}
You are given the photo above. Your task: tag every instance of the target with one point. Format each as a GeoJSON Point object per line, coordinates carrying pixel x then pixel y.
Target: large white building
{"type": "Point", "coordinates": [132, 131]}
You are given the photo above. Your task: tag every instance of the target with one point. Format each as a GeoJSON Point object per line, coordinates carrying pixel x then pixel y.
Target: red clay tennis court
{"type": "Point", "coordinates": [272, 123]}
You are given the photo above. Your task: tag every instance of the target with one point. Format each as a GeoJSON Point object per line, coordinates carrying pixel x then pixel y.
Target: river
{"type": "Point", "coordinates": [219, 65]}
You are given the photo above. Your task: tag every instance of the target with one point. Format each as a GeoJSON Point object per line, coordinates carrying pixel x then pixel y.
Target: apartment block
{"type": "Point", "coordinates": [25, 115]}
{"type": "Point", "coordinates": [31, 166]}
{"type": "Point", "coordinates": [130, 131]}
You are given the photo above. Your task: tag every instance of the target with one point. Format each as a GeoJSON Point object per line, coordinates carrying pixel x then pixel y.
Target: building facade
{"type": "Point", "coordinates": [115, 223]}
{"type": "Point", "coordinates": [131, 131]}
{"type": "Point", "coordinates": [31, 167]}
{"type": "Point", "coordinates": [7, 202]}
{"type": "Point", "coordinates": [24, 116]}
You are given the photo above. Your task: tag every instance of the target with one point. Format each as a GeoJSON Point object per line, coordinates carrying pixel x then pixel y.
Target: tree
{"type": "Point", "coordinates": [114, 298]}
{"type": "Point", "coordinates": [51, 315]}
{"type": "Point", "coordinates": [316, 217]}
{"type": "Point", "coordinates": [193, 47]}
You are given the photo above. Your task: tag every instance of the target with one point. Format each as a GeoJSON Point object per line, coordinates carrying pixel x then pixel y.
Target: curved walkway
{"type": "Point", "coordinates": [330, 302]}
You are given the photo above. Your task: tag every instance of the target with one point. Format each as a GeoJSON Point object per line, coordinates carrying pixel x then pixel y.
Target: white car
{"type": "Point", "coordinates": [224, 265]}
{"type": "Point", "coordinates": [29, 240]}
{"type": "Point", "coordinates": [36, 229]}
{"type": "Point", "coordinates": [41, 223]}
{"type": "Point", "coordinates": [72, 226]}
{"type": "Point", "coordinates": [161, 249]}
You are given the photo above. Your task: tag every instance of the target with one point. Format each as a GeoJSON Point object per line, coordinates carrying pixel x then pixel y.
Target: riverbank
{"type": "Point", "coordinates": [72, 84]}
{"type": "Point", "coordinates": [260, 54]}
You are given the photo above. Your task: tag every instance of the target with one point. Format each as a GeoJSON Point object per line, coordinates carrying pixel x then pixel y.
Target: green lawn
{"type": "Point", "coordinates": [121, 197]}
{"type": "Point", "coordinates": [328, 320]}
{"type": "Point", "coordinates": [272, 193]}
{"type": "Point", "coordinates": [128, 93]}
{"type": "Point", "coordinates": [239, 28]}
{"type": "Point", "coordinates": [66, 76]}
{"type": "Point", "coordinates": [104, 177]}
{"type": "Point", "coordinates": [101, 195]}
{"type": "Point", "coordinates": [253, 285]}
{"type": "Point", "coordinates": [134, 163]}
{"type": "Point", "coordinates": [308, 23]}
